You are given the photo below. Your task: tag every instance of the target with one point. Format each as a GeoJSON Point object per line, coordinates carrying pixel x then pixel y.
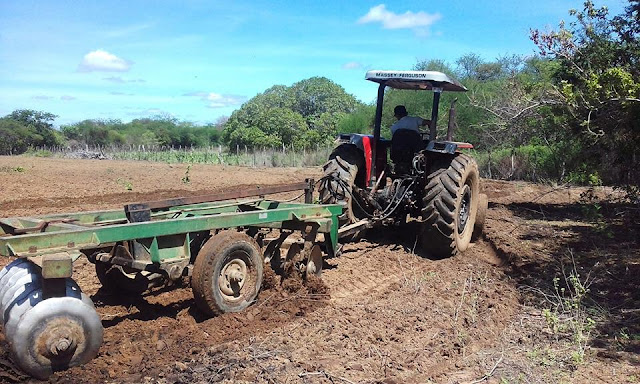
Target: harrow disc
{"type": "Point", "coordinates": [18, 269]}
{"type": "Point", "coordinates": [12, 277]}
{"type": "Point", "coordinates": [29, 298]}
{"type": "Point", "coordinates": [46, 335]}
{"type": "Point", "coordinates": [314, 264]}
{"type": "Point", "coordinates": [116, 278]}
{"type": "Point", "coordinates": [10, 266]}
{"type": "Point", "coordinates": [23, 286]}
{"type": "Point", "coordinates": [54, 335]}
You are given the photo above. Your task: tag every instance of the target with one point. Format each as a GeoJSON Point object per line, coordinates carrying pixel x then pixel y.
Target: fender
{"type": "Point", "coordinates": [364, 143]}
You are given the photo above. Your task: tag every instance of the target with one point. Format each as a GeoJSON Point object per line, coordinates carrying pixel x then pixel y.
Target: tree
{"type": "Point", "coordinates": [598, 83]}
{"type": "Point", "coordinates": [26, 128]}
{"type": "Point", "coordinates": [305, 114]}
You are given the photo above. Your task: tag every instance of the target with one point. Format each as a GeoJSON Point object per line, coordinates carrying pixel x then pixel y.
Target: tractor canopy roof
{"type": "Point", "coordinates": [416, 80]}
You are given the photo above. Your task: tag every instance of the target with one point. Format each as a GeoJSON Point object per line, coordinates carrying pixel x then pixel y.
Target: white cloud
{"type": "Point", "coordinates": [202, 95]}
{"type": "Point", "coordinates": [67, 98]}
{"type": "Point", "coordinates": [150, 112]}
{"type": "Point", "coordinates": [103, 61]}
{"type": "Point", "coordinates": [42, 97]}
{"type": "Point", "coordinates": [352, 65]}
{"type": "Point", "coordinates": [120, 80]}
{"type": "Point", "coordinates": [407, 20]}
{"type": "Point", "coordinates": [128, 30]}
{"type": "Point", "coordinates": [216, 100]}
{"type": "Point", "coordinates": [221, 101]}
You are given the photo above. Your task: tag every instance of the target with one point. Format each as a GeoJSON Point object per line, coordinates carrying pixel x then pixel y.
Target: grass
{"type": "Point", "coordinates": [567, 314]}
{"type": "Point", "coordinates": [213, 155]}
{"type": "Point", "coordinates": [126, 184]}
{"type": "Point", "coordinates": [8, 169]}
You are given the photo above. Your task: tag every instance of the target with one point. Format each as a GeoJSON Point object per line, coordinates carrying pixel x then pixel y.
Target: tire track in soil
{"type": "Point", "coordinates": [357, 273]}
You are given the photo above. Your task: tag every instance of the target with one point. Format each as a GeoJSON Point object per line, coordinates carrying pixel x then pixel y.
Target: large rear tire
{"type": "Point", "coordinates": [450, 204]}
{"type": "Point", "coordinates": [343, 170]}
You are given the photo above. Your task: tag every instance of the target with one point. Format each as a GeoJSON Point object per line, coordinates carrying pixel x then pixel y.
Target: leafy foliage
{"type": "Point", "coordinates": [598, 83]}
{"type": "Point", "coordinates": [161, 131]}
{"type": "Point", "coordinates": [306, 114]}
{"type": "Point", "coordinates": [26, 128]}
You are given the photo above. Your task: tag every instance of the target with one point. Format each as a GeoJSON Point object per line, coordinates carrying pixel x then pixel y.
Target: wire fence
{"type": "Point", "coordinates": [286, 156]}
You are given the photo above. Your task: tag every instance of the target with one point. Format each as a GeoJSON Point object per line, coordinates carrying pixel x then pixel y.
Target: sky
{"type": "Point", "coordinates": [198, 60]}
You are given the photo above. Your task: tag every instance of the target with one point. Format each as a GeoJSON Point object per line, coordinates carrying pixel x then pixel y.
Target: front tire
{"type": "Point", "coordinates": [450, 205]}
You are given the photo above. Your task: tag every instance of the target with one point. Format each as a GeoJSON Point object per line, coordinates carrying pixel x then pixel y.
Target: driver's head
{"type": "Point", "coordinates": [399, 112]}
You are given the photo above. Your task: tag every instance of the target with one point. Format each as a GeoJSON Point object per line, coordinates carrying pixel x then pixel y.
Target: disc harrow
{"type": "Point", "coordinates": [217, 241]}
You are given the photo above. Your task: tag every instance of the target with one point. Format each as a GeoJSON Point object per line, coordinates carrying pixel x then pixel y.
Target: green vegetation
{"type": "Point", "coordinates": [568, 314]}
{"type": "Point", "coordinates": [568, 114]}
{"type": "Point", "coordinates": [159, 131]}
{"type": "Point", "coordinates": [303, 115]}
{"type": "Point", "coordinates": [23, 129]}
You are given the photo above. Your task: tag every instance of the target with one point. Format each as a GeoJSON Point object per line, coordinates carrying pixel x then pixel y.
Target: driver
{"type": "Point", "coordinates": [412, 123]}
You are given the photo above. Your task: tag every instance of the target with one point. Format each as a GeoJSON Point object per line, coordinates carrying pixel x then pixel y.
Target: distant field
{"type": "Point", "coordinates": [285, 157]}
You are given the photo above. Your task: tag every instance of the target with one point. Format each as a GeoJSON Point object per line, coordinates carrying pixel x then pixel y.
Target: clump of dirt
{"type": "Point", "coordinates": [270, 279]}
{"type": "Point", "coordinates": [316, 286]}
{"type": "Point", "coordinates": [293, 283]}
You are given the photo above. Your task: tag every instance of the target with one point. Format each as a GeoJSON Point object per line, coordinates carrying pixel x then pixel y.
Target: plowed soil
{"type": "Point", "coordinates": [383, 311]}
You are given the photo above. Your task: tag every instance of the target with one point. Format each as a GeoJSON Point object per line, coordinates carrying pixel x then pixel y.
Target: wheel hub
{"type": "Point", "coordinates": [465, 205]}
{"type": "Point", "coordinates": [59, 338]}
{"type": "Point", "coordinates": [232, 277]}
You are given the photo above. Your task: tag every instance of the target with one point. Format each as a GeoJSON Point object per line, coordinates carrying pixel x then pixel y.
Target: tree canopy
{"type": "Point", "coordinates": [303, 115]}
{"type": "Point", "coordinates": [26, 128]}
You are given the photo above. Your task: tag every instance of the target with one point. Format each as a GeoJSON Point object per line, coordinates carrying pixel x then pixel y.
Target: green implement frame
{"type": "Point", "coordinates": [163, 229]}
{"type": "Point", "coordinates": [221, 241]}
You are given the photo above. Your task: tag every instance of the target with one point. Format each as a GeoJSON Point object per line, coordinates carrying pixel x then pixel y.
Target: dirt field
{"type": "Point", "coordinates": [384, 312]}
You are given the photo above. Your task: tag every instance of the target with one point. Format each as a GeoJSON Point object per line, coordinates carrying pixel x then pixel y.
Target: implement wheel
{"type": "Point", "coordinates": [227, 273]}
{"type": "Point", "coordinates": [450, 205]}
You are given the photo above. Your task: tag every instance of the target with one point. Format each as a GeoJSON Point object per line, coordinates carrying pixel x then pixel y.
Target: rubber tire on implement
{"type": "Point", "coordinates": [228, 249]}
{"type": "Point", "coordinates": [345, 163]}
{"type": "Point", "coordinates": [453, 183]}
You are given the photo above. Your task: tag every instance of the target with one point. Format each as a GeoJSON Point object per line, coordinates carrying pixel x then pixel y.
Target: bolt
{"type": "Point", "coordinates": [60, 346]}
{"type": "Point", "coordinates": [235, 276]}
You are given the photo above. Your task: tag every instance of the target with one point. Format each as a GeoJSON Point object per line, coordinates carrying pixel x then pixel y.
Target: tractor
{"type": "Point", "coordinates": [413, 177]}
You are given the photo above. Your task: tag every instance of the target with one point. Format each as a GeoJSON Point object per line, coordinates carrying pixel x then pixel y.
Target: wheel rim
{"type": "Point", "coordinates": [465, 207]}
{"type": "Point", "coordinates": [233, 276]}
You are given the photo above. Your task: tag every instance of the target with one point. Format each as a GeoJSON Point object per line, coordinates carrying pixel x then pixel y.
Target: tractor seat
{"type": "Point", "coordinates": [404, 145]}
